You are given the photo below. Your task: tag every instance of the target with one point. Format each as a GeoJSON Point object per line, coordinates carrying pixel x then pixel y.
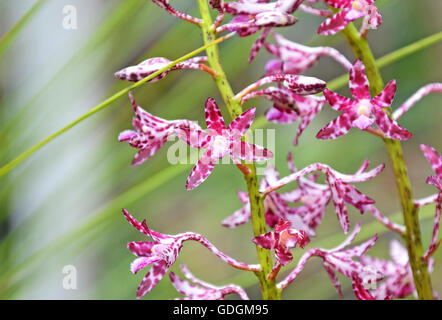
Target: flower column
{"type": "Point", "coordinates": [412, 235]}
{"type": "Point", "coordinates": [268, 287]}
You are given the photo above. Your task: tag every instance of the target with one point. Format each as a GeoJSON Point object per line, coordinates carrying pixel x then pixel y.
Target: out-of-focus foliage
{"type": "Point", "coordinates": [50, 75]}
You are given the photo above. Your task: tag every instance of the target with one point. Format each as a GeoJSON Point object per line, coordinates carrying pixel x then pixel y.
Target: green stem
{"type": "Point", "coordinates": [412, 235]}
{"type": "Point", "coordinates": [268, 287]}
{"type": "Point", "coordinates": [12, 164]}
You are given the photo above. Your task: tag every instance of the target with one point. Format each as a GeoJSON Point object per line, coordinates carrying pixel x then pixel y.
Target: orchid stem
{"type": "Point", "coordinates": [268, 287]}
{"type": "Point", "coordinates": [412, 236]}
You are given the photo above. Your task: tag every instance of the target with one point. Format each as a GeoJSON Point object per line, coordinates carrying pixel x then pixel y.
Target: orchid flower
{"type": "Point", "coordinates": [151, 132]}
{"type": "Point", "coordinates": [163, 252]}
{"type": "Point", "coordinates": [221, 141]}
{"type": "Point", "coordinates": [296, 58]}
{"type": "Point", "coordinates": [297, 84]}
{"type": "Point", "coordinates": [282, 240]}
{"type": "Point", "coordinates": [341, 260]}
{"type": "Point", "coordinates": [351, 10]}
{"type": "Point", "coordinates": [252, 16]}
{"type": "Point", "coordinates": [149, 66]}
{"type": "Point", "coordinates": [202, 290]}
{"type": "Point", "coordinates": [289, 107]}
{"type": "Point", "coordinates": [341, 190]}
{"type": "Point", "coordinates": [364, 110]}
{"type": "Point", "coordinates": [435, 161]}
{"type": "Point", "coordinates": [398, 275]}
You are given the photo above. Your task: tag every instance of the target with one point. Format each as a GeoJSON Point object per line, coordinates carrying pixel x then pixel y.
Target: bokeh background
{"type": "Point", "coordinates": [62, 206]}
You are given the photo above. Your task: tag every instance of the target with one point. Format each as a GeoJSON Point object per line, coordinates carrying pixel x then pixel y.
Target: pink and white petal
{"type": "Point", "coordinates": [390, 128]}
{"type": "Point", "coordinates": [242, 123]}
{"type": "Point", "coordinates": [184, 287]}
{"type": "Point", "coordinates": [144, 154]}
{"type": "Point", "coordinates": [363, 122]}
{"type": "Point", "coordinates": [126, 135]}
{"type": "Point", "coordinates": [238, 218]}
{"type": "Point", "coordinates": [140, 248]}
{"type": "Point", "coordinates": [354, 197]}
{"type": "Point", "coordinates": [336, 128]}
{"type": "Point", "coordinates": [266, 241]}
{"type": "Point", "coordinates": [334, 24]}
{"type": "Point", "coordinates": [360, 291]}
{"type": "Point", "coordinates": [306, 120]}
{"type": "Point", "coordinates": [398, 253]}
{"type": "Point", "coordinates": [340, 4]}
{"type": "Point", "coordinates": [200, 171]}
{"type": "Point", "coordinates": [249, 152]}
{"type": "Point", "coordinates": [359, 86]}
{"type": "Point", "coordinates": [385, 98]}
{"type": "Point", "coordinates": [279, 114]}
{"type": "Point", "coordinates": [155, 274]}
{"type": "Point", "coordinates": [214, 119]}
{"type": "Point", "coordinates": [361, 249]}
{"type": "Point", "coordinates": [338, 102]}
{"type": "Point", "coordinates": [433, 158]}
{"type": "Point", "coordinates": [354, 14]}
{"type": "Point", "coordinates": [334, 279]}
{"type": "Point", "coordinates": [434, 242]}
{"type": "Point", "coordinates": [142, 262]}
{"type": "Point", "coordinates": [258, 44]}
{"type": "Point", "coordinates": [136, 224]}
{"type": "Point", "coordinates": [338, 197]}
{"type": "Point", "coordinates": [283, 256]}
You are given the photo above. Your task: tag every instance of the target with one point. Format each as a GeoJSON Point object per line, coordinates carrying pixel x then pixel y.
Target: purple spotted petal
{"type": "Point", "coordinates": [359, 86]}
{"type": "Point", "coordinates": [214, 119]}
{"type": "Point", "coordinates": [200, 171]}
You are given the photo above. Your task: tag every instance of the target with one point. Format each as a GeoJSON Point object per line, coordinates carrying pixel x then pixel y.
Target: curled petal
{"type": "Point", "coordinates": [142, 262]}
{"type": "Point", "coordinates": [334, 24]}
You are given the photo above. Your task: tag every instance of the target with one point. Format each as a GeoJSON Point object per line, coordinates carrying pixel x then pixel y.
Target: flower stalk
{"type": "Point", "coordinates": [268, 287]}
{"type": "Point", "coordinates": [412, 236]}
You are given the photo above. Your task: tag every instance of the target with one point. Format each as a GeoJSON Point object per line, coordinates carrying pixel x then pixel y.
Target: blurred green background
{"type": "Point", "coordinates": [63, 205]}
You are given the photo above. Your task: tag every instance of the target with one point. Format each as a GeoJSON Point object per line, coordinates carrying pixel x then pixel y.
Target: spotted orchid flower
{"type": "Point", "coordinates": [288, 107]}
{"type": "Point", "coordinates": [275, 207]}
{"type": "Point", "coordinates": [295, 58]}
{"type": "Point", "coordinates": [398, 282]}
{"type": "Point", "coordinates": [282, 240]}
{"type": "Point", "coordinates": [202, 290]}
{"type": "Point", "coordinates": [341, 190]}
{"type": "Point", "coordinates": [351, 10]}
{"type": "Point", "coordinates": [435, 161]}
{"type": "Point", "coordinates": [341, 260]}
{"type": "Point", "coordinates": [163, 251]}
{"type": "Point", "coordinates": [252, 16]}
{"type": "Point", "coordinates": [364, 111]}
{"type": "Point", "coordinates": [151, 132]}
{"type": "Point", "coordinates": [297, 84]}
{"type": "Point", "coordinates": [152, 65]}
{"type": "Point", "coordinates": [220, 141]}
